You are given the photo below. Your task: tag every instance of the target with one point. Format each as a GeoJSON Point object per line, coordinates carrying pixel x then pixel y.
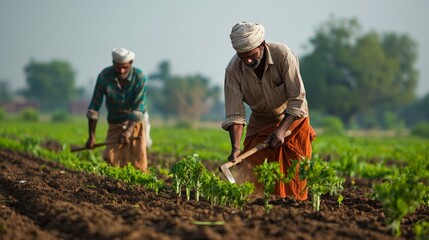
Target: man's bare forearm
{"type": "Point", "coordinates": [92, 125]}
{"type": "Point", "coordinates": [286, 122]}
{"type": "Point", "coordinates": [235, 133]}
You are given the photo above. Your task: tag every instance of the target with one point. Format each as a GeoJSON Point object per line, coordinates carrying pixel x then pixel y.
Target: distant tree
{"type": "Point", "coordinates": [188, 97]}
{"type": "Point", "coordinates": [403, 50]}
{"type": "Point", "coordinates": [5, 94]}
{"type": "Point", "coordinates": [349, 73]}
{"type": "Point", "coordinates": [417, 112]}
{"type": "Point", "coordinates": [51, 84]}
{"type": "Point", "coordinates": [184, 97]}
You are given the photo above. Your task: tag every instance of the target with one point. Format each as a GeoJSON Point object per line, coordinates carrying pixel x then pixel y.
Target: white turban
{"type": "Point", "coordinates": [122, 55]}
{"type": "Point", "coordinates": [246, 36]}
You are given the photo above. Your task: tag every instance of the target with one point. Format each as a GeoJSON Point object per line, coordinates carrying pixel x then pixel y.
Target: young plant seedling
{"type": "Point", "coordinates": [268, 174]}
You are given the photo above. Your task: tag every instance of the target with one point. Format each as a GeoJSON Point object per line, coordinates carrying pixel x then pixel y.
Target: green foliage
{"type": "Point", "coordinates": [375, 157]}
{"type": "Point", "coordinates": [346, 67]}
{"type": "Point", "coordinates": [223, 193]}
{"type": "Point", "coordinates": [321, 179]}
{"type": "Point", "coordinates": [29, 114]}
{"type": "Point", "coordinates": [188, 173]}
{"type": "Point", "coordinates": [422, 230]}
{"type": "Point", "coordinates": [268, 174]}
{"type": "Point", "coordinates": [421, 130]}
{"type": "Point", "coordinates": [212, 145]}
{"type": "Point", "coordinates": [2, 113]}
{"type": "Point", "coordinates": [60, 116]}
{"type": "Point", "coordinates": [400, 195]}
{"type": "Point", "coordinates": [183, 124]}
{"type": "Point", "coordinates": [88, 161]}
{"type": "Point", "coordinates": [51, 84]}
{"type": "Point", "coordinates": [353, 165]}
{"type": "Point", "coordinates": [31, 145]}
{"type": "Point", "coordinates": [10, 144]}
{"type": "Point", "coordinates": [131, 175]}
{"type": "Point", "coordinates": [416, 112]}
{"type": "Point", "coordinates": [391, 121]}
{"type": "Point", "coordinates": [332, 125]}
{"type": "Point", "coordinates": [192, 95]}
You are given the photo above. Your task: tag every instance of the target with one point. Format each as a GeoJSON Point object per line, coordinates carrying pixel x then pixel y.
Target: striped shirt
{"type": "Point", "coordinates": [280, 91]}
{"type": "Point", "coordinates": [127, 103]}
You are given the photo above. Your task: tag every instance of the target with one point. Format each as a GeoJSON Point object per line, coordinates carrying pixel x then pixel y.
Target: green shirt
{"type": "Point", "coordinates": [127, 103]}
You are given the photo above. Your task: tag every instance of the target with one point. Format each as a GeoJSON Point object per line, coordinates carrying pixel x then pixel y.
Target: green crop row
{"type": "Point", "coordinates": [400, 165]}
{"type": "Point", "coordinates": [191, 174]}
{"type": "Point", "coordinates": [86, 161]}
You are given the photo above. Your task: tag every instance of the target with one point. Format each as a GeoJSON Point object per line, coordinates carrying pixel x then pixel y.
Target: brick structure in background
{"type": "Point", "coordinates": [17, 106]}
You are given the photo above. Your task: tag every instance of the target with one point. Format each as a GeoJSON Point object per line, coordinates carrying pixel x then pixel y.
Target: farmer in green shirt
{"type": "Point", "coordinates": [124, 88]}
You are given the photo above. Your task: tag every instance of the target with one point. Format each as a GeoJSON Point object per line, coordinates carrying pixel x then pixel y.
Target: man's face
{"type": "Point", "coordinates": [122, 69]}
{"type": "Point", "coordinates": [253, 57]}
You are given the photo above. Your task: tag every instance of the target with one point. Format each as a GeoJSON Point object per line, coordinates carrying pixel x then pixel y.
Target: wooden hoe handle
{"type": "Point", "coordinates": [99, 145]}
{"type": "Point", "coordinates": [251, 151]}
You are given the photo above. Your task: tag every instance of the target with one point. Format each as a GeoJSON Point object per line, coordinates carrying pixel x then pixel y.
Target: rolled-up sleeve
{"type": "Point", "coordinates": [234, 106]}
{"type": "Point", "coordinates": [296, 99]}
{"type": "Point", "coordinates": [96, 100]}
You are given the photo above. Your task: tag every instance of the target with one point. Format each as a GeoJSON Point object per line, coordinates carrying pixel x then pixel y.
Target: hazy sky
{"type": "Point", "coordinates": [192, 34]}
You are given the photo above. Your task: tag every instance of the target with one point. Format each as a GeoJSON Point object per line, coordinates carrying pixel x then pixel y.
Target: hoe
{"type": "Point", "coordinates": [99, 145]}
{"type": "Point", "coordinates": [224, 168]}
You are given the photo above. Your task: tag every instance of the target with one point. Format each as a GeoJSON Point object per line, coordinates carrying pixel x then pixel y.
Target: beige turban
{"type": "Point", "coordinates": [122, 55]}
{"type": "Point", "coordinates": [246, 36]}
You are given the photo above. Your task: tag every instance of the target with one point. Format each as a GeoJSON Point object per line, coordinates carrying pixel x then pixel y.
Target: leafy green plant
{"type": "Point", "coordinates": [268, 174]}
{"type": "Point", "coordinates": [400, 195]}
{"type": "Point", "coordinates": [422, 230]}
{"type": "Point", "coordinates": [421, 130]}
{"type": "Point", "coordinates": [188, 173]}
{"type": "Point", "coordinates": [191, 174]}
{"type": "Point", "coordinates": [31, 145]}
{"type": "Point", "coordinates": [222, 193]}
{"type": "Point", "coordinates": [132, 175]}
{"type": "Point", "coordinates": [60, 117]}
{"type": "Point", "coordinates": [321, 179]}
{"type": "Point", "coordinates": [29, 114]}
{"type": "Point", "coordinates": [90, 161]}
{"type": "Point", "coordinates": [332, 125]}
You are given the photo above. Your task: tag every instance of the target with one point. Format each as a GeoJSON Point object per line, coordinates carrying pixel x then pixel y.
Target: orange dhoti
{"type": "Point", "coordinates": [121, 154]}
{"type": "Point", "coordinates": [296, 147]}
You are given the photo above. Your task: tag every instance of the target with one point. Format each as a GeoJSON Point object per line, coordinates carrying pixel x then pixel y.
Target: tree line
{"type": "Point", "coordinates": [360, 77]}
{"type": "Point", "coordinates": [365, 79]}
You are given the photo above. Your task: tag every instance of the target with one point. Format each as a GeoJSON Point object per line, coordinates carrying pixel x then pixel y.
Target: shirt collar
{"type": "Point", "coordinates": [269, 59]}
{"type": "Point", "coordinates": [130, 75]}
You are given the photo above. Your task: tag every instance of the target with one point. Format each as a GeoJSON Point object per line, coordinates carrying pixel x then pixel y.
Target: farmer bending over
{"type": "Point", "coordinates": [124, 88]}
{"type": "Point", "coordinates": [265, 76]}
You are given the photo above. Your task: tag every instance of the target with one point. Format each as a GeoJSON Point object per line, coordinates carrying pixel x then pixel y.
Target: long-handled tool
{"type": "Point", "coordinates": [99, 145]}
{"type": "Point", "coordinates": [224, 168]}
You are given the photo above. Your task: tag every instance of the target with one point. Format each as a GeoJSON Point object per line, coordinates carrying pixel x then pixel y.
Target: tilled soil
{"type": "Point", "coordinates": [42, 200]}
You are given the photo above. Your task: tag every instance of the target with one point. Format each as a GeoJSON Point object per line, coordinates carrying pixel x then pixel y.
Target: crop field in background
{"type": "Point", "coordinates": [367, 188]}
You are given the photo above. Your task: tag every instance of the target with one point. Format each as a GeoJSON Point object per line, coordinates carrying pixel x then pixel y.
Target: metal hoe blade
{"type": "Point", "coordinates": [225, 170]}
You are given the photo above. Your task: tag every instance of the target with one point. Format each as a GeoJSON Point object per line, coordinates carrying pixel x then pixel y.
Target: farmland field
{"type": "Point", "coordinates": [46, 192]}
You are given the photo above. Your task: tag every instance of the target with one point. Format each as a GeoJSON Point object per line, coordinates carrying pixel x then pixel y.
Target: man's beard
{"type": "Point", "coordinates": [122, 76]}
{"type": "Point", "coordinates": [255, 63]}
